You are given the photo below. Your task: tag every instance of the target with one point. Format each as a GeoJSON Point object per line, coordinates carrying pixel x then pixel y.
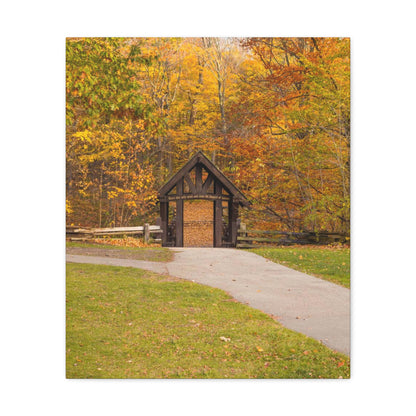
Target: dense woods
{"type": "Point", "coordinates": [272, 113]}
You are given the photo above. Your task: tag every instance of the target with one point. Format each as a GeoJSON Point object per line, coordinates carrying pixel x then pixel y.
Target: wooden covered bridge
{"type": "Point", "coordinates": [199, 206]}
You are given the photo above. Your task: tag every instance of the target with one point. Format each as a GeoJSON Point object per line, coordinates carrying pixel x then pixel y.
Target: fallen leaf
{"type": "Point", "coordinates": [225, 339]}
{"type": "Point", "coordinates": [259, 349]}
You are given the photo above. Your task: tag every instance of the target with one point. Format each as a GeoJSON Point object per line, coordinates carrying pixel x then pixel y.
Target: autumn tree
{"type": "Point", "coordinates": [108, 128]}
{"type": "Point", "coordinates": [296, 94]}
{"type": "Point", "coordinates": [273, 113]}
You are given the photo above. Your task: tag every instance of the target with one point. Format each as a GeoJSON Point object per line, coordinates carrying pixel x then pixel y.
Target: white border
{"type": "Point", "coordinates": [32, 212]}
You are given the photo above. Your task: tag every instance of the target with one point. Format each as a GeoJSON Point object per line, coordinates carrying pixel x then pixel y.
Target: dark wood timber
{"type": "Point", "coordinates": [218, 216]}
{"type": "Point", "coordinates": [190, 183]}
{"type": "Point", "coordinates": [207, 184]}
{"type": "Point", "coordinates": [164, 216]}
{"type": "Point", "coordinates": [173, 232]}
{"type": "Point", "coordinates": [210, 168]}
{"type": "Point", "coordinates": [232, 219]}
{"type": "Point", "coordinates": [198, 178]}
{"type": "Point", "coordinates": [212, 197]}
{"type": "Point", "coordinates": [179, 215]}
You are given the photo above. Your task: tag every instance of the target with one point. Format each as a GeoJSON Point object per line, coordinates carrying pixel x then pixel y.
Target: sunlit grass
{"type": "Point", "coordinates": [329, 263]}
{"type": "Point", "coordinates": [130, 323]}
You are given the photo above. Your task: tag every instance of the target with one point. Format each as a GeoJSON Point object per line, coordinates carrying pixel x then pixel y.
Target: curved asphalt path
{"type": "Point", "coordinates": [304, 303]}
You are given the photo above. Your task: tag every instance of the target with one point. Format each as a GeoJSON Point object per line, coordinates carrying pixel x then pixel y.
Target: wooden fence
{"type": "Point", "coordinates": [256, 238]}
{"type": "Point", "coordinates": [146, 231]}
{"type": "Point", "coordinates": [245, 239]}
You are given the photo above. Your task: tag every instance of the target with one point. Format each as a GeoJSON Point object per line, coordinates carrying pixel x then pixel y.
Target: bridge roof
{"type": "Point", "coordinates": [201, 159]}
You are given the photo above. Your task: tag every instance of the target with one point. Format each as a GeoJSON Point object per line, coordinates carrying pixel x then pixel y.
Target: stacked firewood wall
{"type": "Point", "coordinates": [198, 224]}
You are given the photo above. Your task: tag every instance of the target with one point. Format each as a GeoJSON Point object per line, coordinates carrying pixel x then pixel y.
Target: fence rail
{"type": "Point", "coordinates": [256, 238]}
{"type": "Point", "coordinates": [245, 238]}
{"type": "Point", "coordinates": [83, 233]}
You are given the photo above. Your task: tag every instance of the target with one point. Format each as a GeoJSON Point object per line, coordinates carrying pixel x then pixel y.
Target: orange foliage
{"type": "Point", "coordinates": [272, 113]}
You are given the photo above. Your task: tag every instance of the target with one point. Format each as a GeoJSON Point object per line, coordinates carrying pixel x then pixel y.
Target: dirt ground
{"type": "Point", "coordinates": [154, 254]}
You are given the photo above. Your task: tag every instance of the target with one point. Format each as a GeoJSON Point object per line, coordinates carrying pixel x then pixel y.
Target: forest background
{"type": "Point", "coordinates": [272, 113]}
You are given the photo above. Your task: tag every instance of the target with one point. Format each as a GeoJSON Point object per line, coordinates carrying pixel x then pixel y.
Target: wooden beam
{"type": "Point", "coordinates": [207, 184]}
{"type": "Point", "coordinates": [178, 175]}
{"type": "Point", "coordinates": [179, 215]}
{"type": "Point", "coordinates": [210, 167]}
{"type": "Point", "coordinates": [186, 197]}
{"type": "Point", "coordinates": [146, 233]}
{"type": "Point", "coordinates": [218, 216]}
{"type": "Point", "coordinates": [164, 217]}
{"type": "Point", "coordinates": [232, 219]}
{"type": "Point", "coordinates": [260, 239]}
{"type": "Point", "coordinates": [201, 160]}
{"type": "Point", "coordinates": [190, 183]}
{"type": "Point", "coordinates": [198, 178]}
{"type": "Point", "coordinates": [116, 229]}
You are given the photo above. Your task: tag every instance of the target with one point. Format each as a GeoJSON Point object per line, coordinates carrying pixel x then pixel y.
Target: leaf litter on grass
{"type": "Point", "coordinates": [157, 335]}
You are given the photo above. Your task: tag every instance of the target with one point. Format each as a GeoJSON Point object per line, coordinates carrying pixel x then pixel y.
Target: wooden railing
{"type": "Point", "coordinates": [255, 238]}
{"type": "Point", "coordinates": [245, 238]}
{"type": "Point", "coordinates": [83, 233]}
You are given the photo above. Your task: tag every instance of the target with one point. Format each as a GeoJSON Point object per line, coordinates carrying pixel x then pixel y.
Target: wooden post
{"type": "Point", "coordinates": [230, 215]}
{"type": "Point", "coordinates": [164, 218]}
{"type": "Point", "coordinates": [198, 178]}
{"type": "Point", "coordinates": [218, 216]}
{"type": "Point", "coordinates": [233, 215]}
{"type": "Point", "coordinates": [146, 233]}
{"type": "Point", "coordinates": [179, 215]}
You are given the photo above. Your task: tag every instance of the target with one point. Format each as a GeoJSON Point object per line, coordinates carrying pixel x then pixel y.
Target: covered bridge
{"type": "Point", "coordinates": [199, 206]}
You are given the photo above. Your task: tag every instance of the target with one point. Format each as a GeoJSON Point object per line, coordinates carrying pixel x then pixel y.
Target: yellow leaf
{"type": "Point", "coordinates": [259, 349]}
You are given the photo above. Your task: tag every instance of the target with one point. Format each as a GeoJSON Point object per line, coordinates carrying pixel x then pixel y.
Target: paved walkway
{"type": "Point", "coordinates": [306, 304]}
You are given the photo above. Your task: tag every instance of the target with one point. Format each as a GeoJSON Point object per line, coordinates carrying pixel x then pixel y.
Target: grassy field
{"type": "Point", "coordinates": [329, 263]}
{"type": "Point", "coordinates": [129, 323]}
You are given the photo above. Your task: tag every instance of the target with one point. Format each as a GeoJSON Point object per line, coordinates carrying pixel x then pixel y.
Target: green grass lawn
{"type": "Point", "coordinates": [130, 323]}
{"type": "Point", "coordinates": [329, 263]}
{"type": "Point", "coordinates": [121, 252]}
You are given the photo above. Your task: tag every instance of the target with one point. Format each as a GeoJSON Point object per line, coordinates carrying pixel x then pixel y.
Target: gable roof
{"type": "Point", "coordinates": [200, 158]}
